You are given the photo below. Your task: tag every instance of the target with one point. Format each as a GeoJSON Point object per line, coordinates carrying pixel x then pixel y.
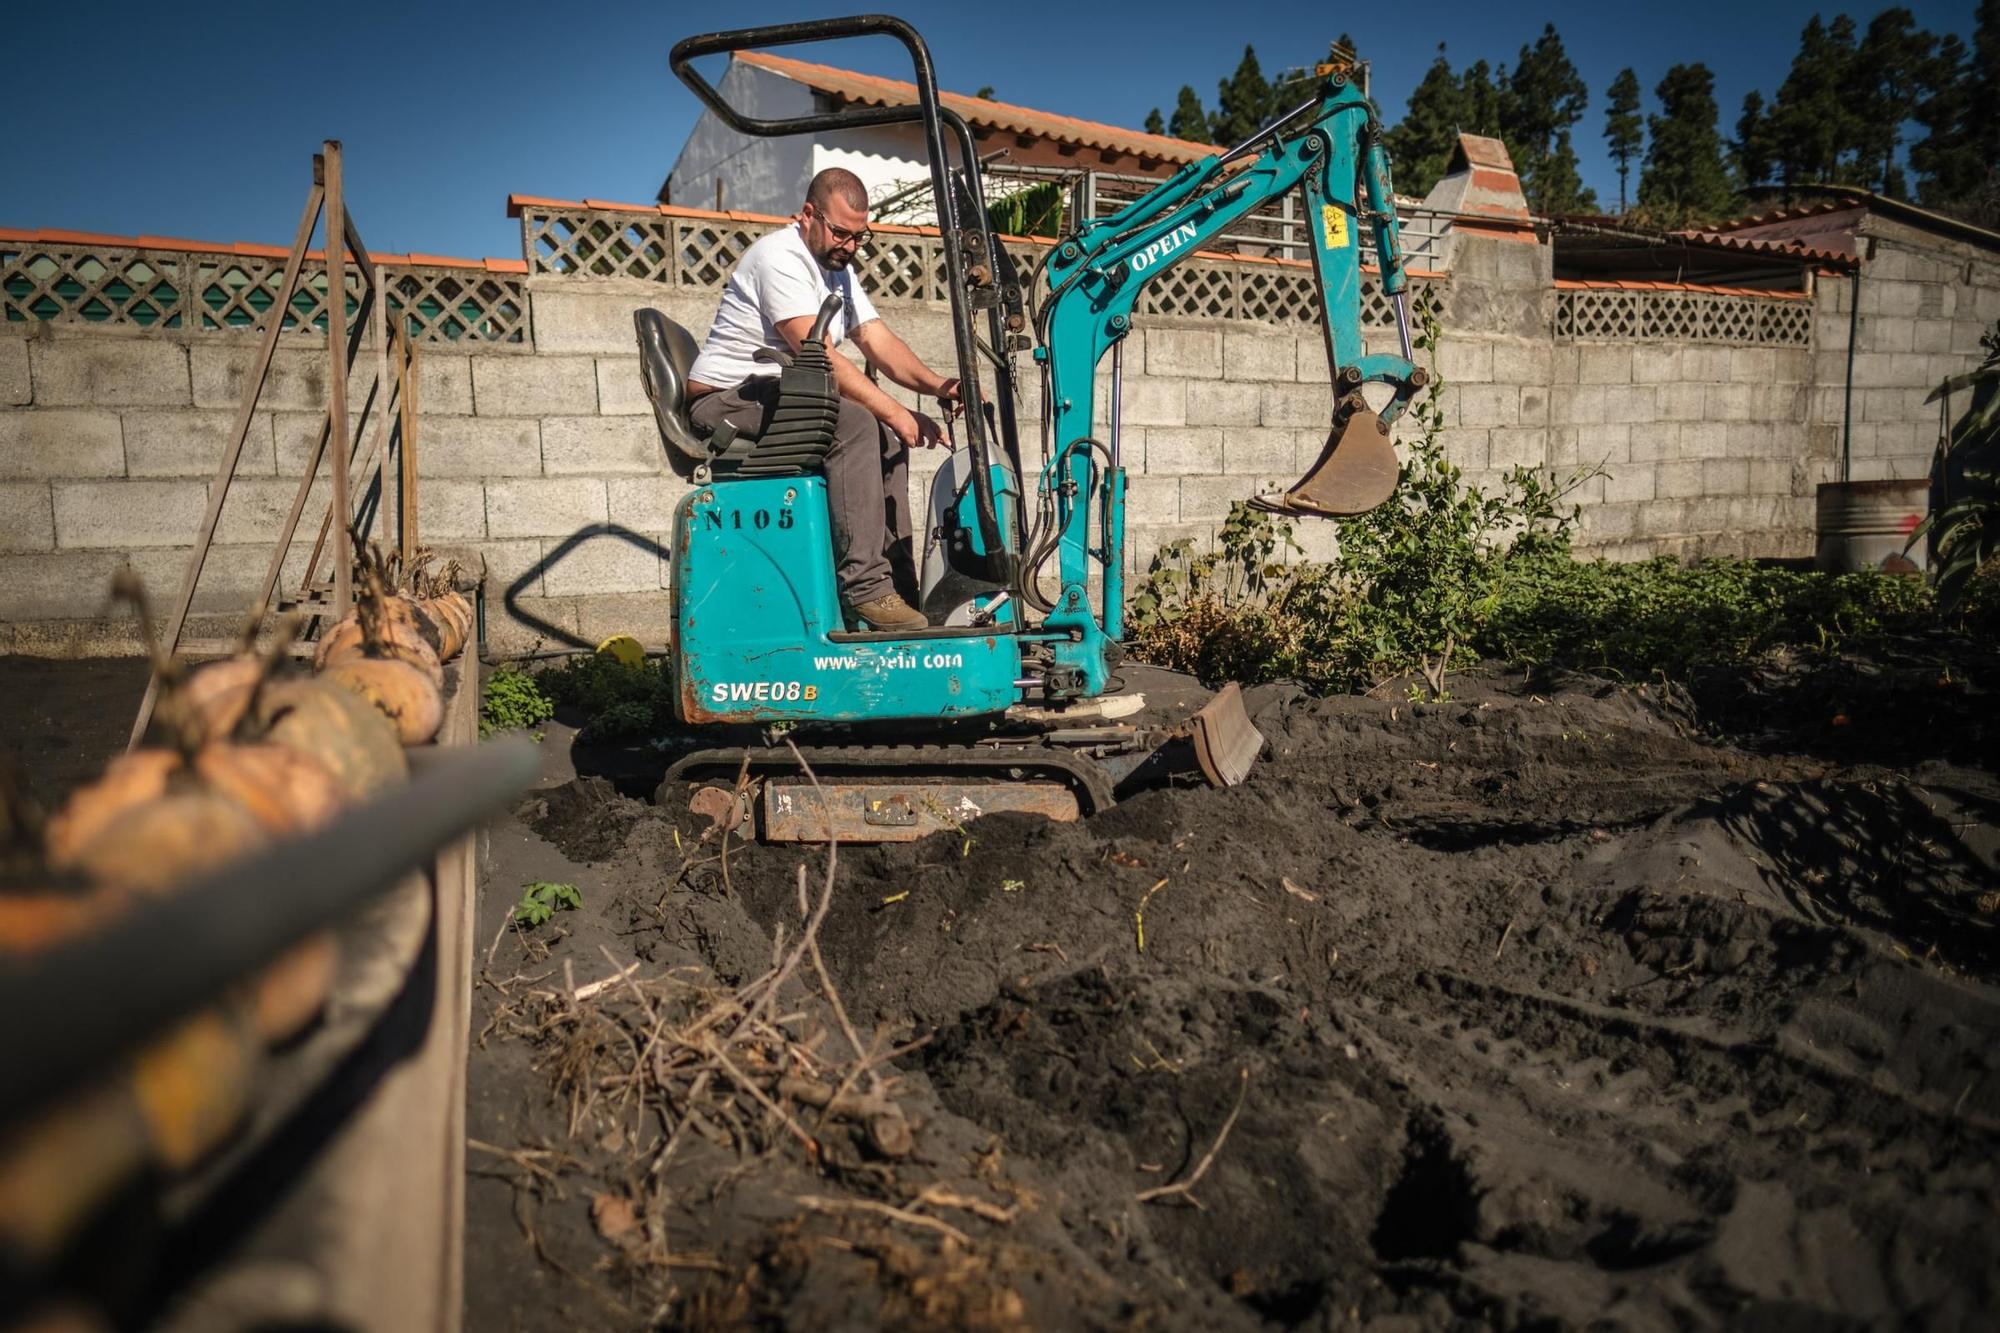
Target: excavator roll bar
{"type": "Point", "coordinates": [971, 258]}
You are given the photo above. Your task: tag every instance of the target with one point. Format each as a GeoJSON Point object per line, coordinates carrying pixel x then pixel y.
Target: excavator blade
{"type": "Point", "coordinates": [1356, 471]}
{"type": "Point", "coordinates": [1226, 742]}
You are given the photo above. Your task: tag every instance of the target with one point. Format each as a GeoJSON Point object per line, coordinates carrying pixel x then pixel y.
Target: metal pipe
{"type": "Point", "coordinates": [1403, 325]}
{"type": "Point", "coordinates": [104, 993]}
{"type": "Point", "coordinates": [1847, 399]}
{"type": "Point", "coordinates": [1117, 394]}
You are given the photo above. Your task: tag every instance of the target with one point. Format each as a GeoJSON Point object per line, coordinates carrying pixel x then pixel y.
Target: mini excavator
{"type": "Point", "coordinates": [1010, 699]}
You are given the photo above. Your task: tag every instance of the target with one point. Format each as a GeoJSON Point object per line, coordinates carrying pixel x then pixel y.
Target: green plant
{"type": "Point", "coordinates": [617, 701]}
{"type": "Point", "coordinates": [1965, 533]}
{"type": "Point", "coordinates": [542, 900]}
{"type": "Point", "coordinates": [1415, 579]}
{"type": "Point", "coordinates": [1663, 617]}
{"type": "Point", "coordinates": [511, 699]}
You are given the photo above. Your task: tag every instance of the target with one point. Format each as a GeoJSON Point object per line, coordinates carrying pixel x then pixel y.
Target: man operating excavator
{"type": "Point", "coordinates": [770, 302]}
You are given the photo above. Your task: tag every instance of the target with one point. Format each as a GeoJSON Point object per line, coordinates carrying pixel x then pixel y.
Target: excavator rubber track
{"type": "Point", "coordinates": [884, 793]}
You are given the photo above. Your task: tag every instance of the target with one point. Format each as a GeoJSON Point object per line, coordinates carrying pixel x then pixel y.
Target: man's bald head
{"type": "Point", "coordinates": [837, 183]}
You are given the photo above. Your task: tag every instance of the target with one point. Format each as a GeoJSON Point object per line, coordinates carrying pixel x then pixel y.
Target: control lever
{"type": "Point", "coordinates": [827, 310]}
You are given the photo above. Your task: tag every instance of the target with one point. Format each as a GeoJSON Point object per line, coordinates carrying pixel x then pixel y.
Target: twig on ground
{"type": "Point", "coordinates": [1139, 916]}
{"type": "Point", "coordinates": [498, 935]}
{"type": "Point", "coordinates": [589, 989]}
{"type": "Point", "coordinates": [1503, 939]}
{"type": "Point", "coordinates": [1182, 1188]}
{"type": "Point", "coordinates": [822, 1204]}
{"type": "Point", "coordinates": [939, 1197]}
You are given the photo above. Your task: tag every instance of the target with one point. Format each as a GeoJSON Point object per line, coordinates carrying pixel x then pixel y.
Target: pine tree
{"type": "Point", "coordinates": [1242, 103]}
{"type": "Point", "coordinates": [1480, 98]}
{"type": "Point", "coordinates": [1752, 146]}
{"type": "Point", "coordinates": [1957, 161]}
{"type": "Point", "coordinates": [1685, 180]}
{"type": "Point", "coordinates": [1885, 86]}
{"type": "Point", "coordinates": [1154, 124]}
{"type": "Point", "coordinates": [1812, 125]}
{"type": "Point", "coordinates": [1189, 121]}
{"type": "Point", "coordinates": [1623, 130]}
{"type": "Point", "coordinates": [1539, 103]}
{"type": "Point", "coordinates": [1421, 144]}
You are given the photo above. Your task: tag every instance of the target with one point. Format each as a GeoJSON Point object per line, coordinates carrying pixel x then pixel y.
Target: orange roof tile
{"type": "Point", "coordinates": [1642, 285]}
{"type": "Point", "coordinates": [247, 249]}
{"type": "Point", "coordinates": [981, 112]}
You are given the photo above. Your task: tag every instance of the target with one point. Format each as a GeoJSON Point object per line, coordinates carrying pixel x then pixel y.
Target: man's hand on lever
{"type": "Point", "coordinates": [917, 431]}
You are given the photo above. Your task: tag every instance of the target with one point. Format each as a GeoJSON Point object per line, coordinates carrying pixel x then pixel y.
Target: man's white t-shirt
{"type": "Point", "coordinates": [777, 279]}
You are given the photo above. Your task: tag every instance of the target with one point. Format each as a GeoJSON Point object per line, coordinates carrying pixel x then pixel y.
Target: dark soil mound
{"type": "Point", "coordinates": [1523, 1009]}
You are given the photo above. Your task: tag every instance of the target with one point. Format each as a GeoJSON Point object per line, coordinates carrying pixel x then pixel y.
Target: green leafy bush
{"type": "Point", "coordinates": [511, 700]}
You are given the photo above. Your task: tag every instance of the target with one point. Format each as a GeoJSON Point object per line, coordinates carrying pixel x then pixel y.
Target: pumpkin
{"type": "Point", "coordinates": [398, 690]}
{"type": "Point", "coordinates": [154, 846]}
{"type": "Point", "coordinates": [333, 725]}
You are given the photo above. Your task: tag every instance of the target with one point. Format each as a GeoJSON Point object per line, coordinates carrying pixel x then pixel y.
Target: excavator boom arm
{"type": "Point", "coordinates": [1329, 151]}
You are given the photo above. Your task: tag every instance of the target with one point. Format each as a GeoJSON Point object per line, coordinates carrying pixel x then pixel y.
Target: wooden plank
{"type": "Point", "coordinates": [225, 470]}
{"type": "Point", "coordinates": [336, 376]}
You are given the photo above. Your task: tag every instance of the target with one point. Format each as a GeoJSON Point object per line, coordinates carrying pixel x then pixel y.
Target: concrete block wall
{"type": "Point", "coordinates": [546, 472]}
{"type": "Point", "coordinates": [1925, 302]}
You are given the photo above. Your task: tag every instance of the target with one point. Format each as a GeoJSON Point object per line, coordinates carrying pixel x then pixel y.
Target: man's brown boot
{"type": "Point", "coordinates": [890, 612]}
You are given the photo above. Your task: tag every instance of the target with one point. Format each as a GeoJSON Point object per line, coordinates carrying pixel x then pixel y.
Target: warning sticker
{"type": "Point", "coordinates": [1335, 221]}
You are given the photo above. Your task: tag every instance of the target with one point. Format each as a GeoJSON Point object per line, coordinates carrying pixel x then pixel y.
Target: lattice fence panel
{"type": "Point", "coordinates": [202, 292]}
{"type": "Point", "coordinates": [1683, 316]}
{"type": "Point", "coordinates": [701, 252]}
{"type": "Point", "coordinates": [705, 252]}
{"type": "Point", "coordinates": [234, 291]}
{"type": "Point", "coordinates": [460, 305]}
{"type": "Point", "coordinates": [600, 244]}
{"type": "Point", "coordinates": [90, 285]}
{"type": "Point", "coordinates": [905, 268]}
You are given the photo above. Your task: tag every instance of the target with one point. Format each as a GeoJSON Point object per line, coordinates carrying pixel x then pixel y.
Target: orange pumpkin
{"type": "Point", "coordinates": [398, 690]}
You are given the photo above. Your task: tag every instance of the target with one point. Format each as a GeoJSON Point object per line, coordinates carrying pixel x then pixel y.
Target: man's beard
{"type": "Point", "coordinates": [835, 260]}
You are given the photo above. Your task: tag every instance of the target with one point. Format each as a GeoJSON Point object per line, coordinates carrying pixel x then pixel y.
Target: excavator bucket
{"type": "Point", "coordinates": [1226, 742]}
{"type": "Point", "coordinates": [1356, 471]}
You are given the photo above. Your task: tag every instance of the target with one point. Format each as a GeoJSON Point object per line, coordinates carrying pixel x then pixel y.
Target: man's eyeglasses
{"type": "Point", "coordinates": [841, 235]}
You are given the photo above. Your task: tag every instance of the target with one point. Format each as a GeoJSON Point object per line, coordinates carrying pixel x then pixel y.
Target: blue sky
{"type": "Point", "coordinates": [200, 121]}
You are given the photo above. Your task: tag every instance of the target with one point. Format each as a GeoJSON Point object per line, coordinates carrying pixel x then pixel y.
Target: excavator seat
{"type": "Point", "coordinates": [791, 440]}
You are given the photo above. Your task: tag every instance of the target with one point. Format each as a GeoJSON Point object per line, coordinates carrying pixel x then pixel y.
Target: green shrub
{"type": "Point", "coordinates": [512, 700]}
{"type": "Point", "coordinates": [617, 702]}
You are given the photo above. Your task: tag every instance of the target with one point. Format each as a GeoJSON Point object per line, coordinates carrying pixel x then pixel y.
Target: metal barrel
{"type": "Point", "coordinates": [1867, 525]}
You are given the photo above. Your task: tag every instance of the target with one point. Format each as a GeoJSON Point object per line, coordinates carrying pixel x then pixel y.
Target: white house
{"type": "Point", "coordinates": [720, 168]}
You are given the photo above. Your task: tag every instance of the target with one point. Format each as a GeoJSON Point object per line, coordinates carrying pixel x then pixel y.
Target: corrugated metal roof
{"type": "Point", "coordinates": [980, 112]}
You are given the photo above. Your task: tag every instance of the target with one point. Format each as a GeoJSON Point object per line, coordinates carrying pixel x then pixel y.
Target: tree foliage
{"type": "Point", "coordinates": [1541, 102]}
{"type": "Point", "coordinates": [1685, 180]}
{"type": "Point", "coordinates": [1421, 144]}
{"type": "Point", "coordinates": [1243, 102]}
{"type": "Point", "coordinates": [1189, 121]}
{"type": "Point", "coordinates": [1624, 130]}
{"type": "Point", "coordinates": [1752, 146]}
{"type": "Point", "coordinates": [1155, 123]}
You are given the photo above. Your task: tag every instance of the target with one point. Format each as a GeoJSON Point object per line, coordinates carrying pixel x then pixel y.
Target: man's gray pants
{"type": "Point", "coordinates": [867, 488]}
